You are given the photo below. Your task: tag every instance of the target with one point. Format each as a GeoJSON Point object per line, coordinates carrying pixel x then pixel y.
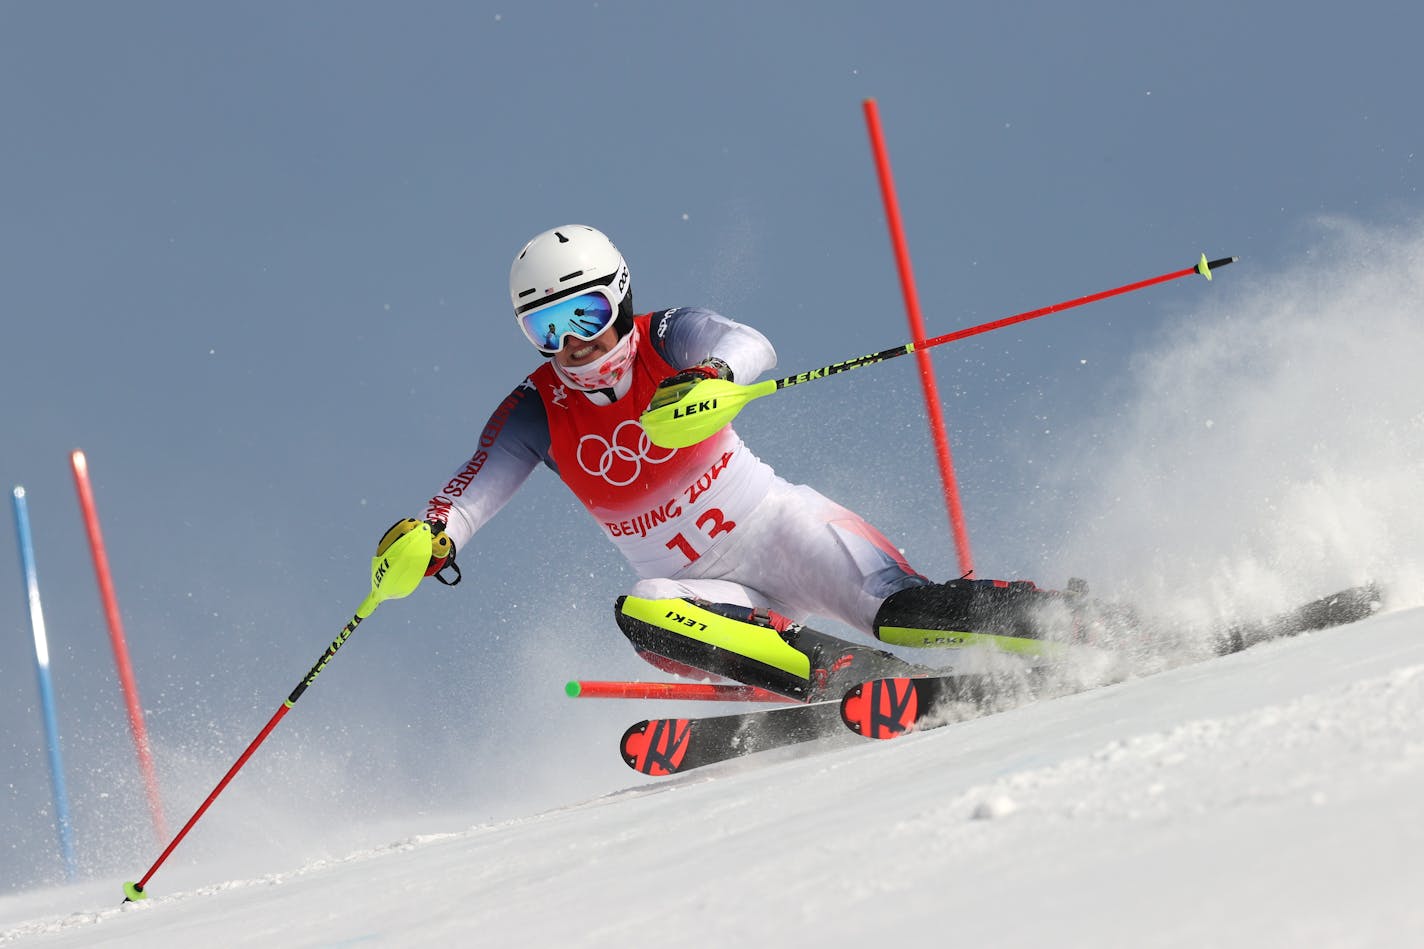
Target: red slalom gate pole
{"type": "Point", "coordinates": [695, 691]}
{"type": "Point", "coordinates": [127, 683]}
{"type": "Point", "coordinates": [917, 331]}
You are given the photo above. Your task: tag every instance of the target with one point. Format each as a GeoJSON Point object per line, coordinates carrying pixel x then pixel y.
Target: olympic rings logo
{"type": "Point", "coordinates": [618, 462]}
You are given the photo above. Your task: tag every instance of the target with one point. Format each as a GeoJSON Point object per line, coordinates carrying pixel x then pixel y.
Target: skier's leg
{"type": "Point", "coordinates": [813, 556]}
{"type": "Point", "coordinates": [820, 558]}
{"type": "Point", "coordinates": [736, 613]}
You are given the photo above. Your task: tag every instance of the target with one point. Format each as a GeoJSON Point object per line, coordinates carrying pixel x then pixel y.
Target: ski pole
{"type": "Point", "coordinates": [685, 414]}
{"type": "Point", "coordinates": [394, 574]}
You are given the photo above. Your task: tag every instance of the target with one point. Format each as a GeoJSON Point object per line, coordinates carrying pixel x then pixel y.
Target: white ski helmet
{"type": "Point", "coordinates": [562, 262]}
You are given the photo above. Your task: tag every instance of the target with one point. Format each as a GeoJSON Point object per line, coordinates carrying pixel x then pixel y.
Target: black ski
{"type": "Point", "coordinates": [1337, 609]}
{"type": "Point", "coordinates": [662, 746]}
{"type": "Point", "coordinates": [890, 707]}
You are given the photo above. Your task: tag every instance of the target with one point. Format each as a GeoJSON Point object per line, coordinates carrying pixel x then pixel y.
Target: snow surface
{"type": "Point", "coordinates": [1271, 798]}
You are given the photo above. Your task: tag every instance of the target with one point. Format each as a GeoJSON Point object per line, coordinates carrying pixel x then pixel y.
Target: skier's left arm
{"type": "Point", "coordinates": [707, 345]}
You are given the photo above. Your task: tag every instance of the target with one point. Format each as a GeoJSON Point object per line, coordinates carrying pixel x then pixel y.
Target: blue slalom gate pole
{"type": "Point", "coordinates": [51, 726]}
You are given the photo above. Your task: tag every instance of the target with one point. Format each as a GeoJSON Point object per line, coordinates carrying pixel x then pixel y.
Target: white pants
{"type": "Point", "coordinates": [800, 554]}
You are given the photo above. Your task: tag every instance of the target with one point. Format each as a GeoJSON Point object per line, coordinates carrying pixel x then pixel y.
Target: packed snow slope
{"type": "Point", "coordinates": [1270, 798]}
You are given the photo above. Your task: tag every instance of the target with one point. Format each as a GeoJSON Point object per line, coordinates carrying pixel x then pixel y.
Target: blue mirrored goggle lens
{"type": "Point", "coordinates": [583, 317]}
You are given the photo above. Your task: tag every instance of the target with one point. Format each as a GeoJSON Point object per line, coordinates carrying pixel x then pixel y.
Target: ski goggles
{"type": "Point", "coordinates": [582, 316]}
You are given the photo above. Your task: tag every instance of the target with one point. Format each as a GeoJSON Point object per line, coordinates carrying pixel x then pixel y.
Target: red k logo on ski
{"type": "Point", "coordinates": [657, 747]}
{"type": "Point", "coordinates": [619, 459]}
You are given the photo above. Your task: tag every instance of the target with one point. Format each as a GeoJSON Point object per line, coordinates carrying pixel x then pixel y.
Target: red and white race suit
{"type": "Point", "coordinates": [711, 520]}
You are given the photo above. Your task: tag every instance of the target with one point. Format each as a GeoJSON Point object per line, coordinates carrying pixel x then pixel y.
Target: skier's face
{"type": "Point", "coordinates": [578, 353]}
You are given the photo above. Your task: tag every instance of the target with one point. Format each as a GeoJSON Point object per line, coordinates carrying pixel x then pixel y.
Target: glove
{"type": "Point", "coordinates": [711, 368]}
{"type": "Point", "coordinates": [442, 548]}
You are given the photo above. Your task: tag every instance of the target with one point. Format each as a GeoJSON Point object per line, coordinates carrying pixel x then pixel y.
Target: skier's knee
{"type": "Point", "coordinates": [696, 634]}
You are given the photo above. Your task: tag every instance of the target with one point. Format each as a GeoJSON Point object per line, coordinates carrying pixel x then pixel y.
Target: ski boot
{"type": "Point", "coordinates": [963, 612]}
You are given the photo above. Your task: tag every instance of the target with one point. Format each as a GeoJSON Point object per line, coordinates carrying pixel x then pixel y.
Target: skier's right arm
{"type": "Point", "coordinates": [511, 444]}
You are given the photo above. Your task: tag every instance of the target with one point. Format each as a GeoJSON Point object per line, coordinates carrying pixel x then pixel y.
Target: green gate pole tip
{"type": "Point", "coordinates": [572, 690]}
{"type": "Point", "coordinates": [132, 893]}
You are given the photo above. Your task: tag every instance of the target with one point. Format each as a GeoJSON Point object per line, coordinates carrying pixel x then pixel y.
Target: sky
{"type": "Point", "coordinates": [1266, 799]}
{"type": "Point", "coordinates": [255, 264]}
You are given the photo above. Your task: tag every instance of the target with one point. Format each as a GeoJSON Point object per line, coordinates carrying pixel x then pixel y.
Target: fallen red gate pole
{"type": "Point", "coordinates": [695, 691]}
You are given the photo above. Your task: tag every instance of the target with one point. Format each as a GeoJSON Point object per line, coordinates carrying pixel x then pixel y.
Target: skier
{"type": "Point", "coordinates": [732, 558]}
